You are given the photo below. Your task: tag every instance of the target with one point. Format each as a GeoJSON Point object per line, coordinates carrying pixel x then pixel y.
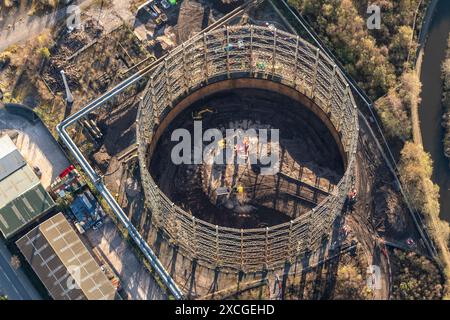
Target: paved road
{"type": "Point", "coordinates": [14, 283]}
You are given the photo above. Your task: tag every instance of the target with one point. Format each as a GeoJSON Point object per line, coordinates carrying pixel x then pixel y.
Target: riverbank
{"type": "Point", "coordinates": [446, 101]}
{"type": "Point", "coordinates": [426, 124]}
{"type": "Point", "coordinates": [430, 110]}
{"type": "Point", "coordinates": [423, 36]}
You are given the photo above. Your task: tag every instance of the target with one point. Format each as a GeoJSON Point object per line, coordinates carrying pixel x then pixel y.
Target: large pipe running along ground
{"type": "Point", "coordinates": [103, 190]}
{"type": "Point", "coordinates": [237, 53]}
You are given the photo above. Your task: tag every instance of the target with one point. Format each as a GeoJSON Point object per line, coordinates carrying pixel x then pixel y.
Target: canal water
{"type": "Point", "coordinates": [431, 108]}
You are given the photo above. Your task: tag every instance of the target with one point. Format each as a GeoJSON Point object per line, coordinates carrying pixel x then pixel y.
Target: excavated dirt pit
{"type": "Point", "coordinates": [243, 192]}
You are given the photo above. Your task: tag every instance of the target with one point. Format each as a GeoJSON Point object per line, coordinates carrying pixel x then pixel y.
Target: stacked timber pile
{"type": "Point", "coordinates": [65, 47]}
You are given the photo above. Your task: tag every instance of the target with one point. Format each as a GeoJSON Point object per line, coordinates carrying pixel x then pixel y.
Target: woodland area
{"type": "Point", "coordinates": [380, 60]}
{"type": "Point", "coordinates": [416, 277]}
{"type": "Point", "coordinates": [375, 58]}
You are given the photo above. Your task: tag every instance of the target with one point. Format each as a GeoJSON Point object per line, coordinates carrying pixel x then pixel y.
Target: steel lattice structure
{"type": "Point", "coordinates": [246, 52]}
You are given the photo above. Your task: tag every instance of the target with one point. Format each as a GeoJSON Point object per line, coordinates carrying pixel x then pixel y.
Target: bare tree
{"type": "Point", "coordinates": [15, 262]}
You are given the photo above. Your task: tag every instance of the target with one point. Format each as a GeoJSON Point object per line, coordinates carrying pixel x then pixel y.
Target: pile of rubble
{"type": "Point", "coordinates": [66, 46]}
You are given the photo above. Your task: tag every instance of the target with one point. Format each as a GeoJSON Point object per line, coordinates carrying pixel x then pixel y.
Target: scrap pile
{"type": "Point", "coordinates": [63, 52]}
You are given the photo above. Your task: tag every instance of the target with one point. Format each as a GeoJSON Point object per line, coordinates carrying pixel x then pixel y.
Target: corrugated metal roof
{"type": "Point", "coordinates": [22, 197]}
{"type": "Point", "coordinates": [16, 184]}
{"type": "Point", "coordinates": [56, 252]}
{"type": "Point", "coordinates": [24, 209]}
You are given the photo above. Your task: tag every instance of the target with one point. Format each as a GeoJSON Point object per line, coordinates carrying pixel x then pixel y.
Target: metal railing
{"type": "Point", "coordinates": [247, 52]}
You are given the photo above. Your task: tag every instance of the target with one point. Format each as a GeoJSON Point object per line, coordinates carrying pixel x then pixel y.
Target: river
{"type": "Point", "coordinates": [431, 109]}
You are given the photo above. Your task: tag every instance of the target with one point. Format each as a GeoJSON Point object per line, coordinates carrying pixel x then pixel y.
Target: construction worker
{"type": "Point", "coordinates": [246, 145]}
{"type": "Point", "coordinates": [352, 196]}
{"type": "Point", "coordinates": [351, 199]}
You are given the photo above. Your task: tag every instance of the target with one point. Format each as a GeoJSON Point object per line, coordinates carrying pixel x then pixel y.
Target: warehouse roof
{"type": "Point", "coordinates": [10, 157]}
{"type": "Point", "coordinates": [16, 184]}
{"type": "Point", "coordinates": [22, 197]}
{"type": "Point", "coordinates": [24, 209]}
{"type": "Point", "coordinates": [63, 263]}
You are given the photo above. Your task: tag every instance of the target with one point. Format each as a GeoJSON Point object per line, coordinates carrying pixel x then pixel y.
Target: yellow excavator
{"type": "Point", "coordinates": [198, 115]}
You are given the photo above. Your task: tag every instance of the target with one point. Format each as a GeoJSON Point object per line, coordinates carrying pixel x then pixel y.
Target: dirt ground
{"type": "Point", "coordinates": [35, 144]}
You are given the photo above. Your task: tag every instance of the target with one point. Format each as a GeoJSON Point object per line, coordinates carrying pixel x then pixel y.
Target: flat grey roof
{"type": "Point", "coordinates": [63, 263]}
{"type": "Point", "coordinates": [10, 163]}
{"type": "Point", "coordinates": [10, 158]}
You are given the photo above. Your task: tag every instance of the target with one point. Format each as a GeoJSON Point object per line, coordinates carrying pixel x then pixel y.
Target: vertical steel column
{"type": "Point", "coordinates": [176, 222]}
{"type": "Point", "coordinates": [309, 228]}
{"type": "Point", "coordinates": [251, 52]}
{"type": "Point", "coordinates": [242, 249]}
{"type": "Point", "coordinates": [194, 233]}
{"type": "Point", "coordinates": [205, 59]}
{"type": "Point", "coordinates": [330, 92]}
{"type": "Point", "coordinates": [294, 81]}
{"type": "Point", "coordinates": [267, 247]}
{"type": "Point", "coordinates": [185, 71]}
{"type": "Point", "coordinates": [355, 126]}
{"type": "Point", "coordinates": [346, 94]}
{"type": "Point", "coordinates": [228, 51]}
{"type": "Point", "coordinates": [274, 52]}
{"type": "Point", "coordinates": [289, 253]}
{"type": "Point", "coordinates": [168, 89]}
{"type": "Point", "coordinates": [153, 98]}
{"type": "Point", "coordinates": [217, 245]}
{"type": "Point", "coordinates": [314, 82]}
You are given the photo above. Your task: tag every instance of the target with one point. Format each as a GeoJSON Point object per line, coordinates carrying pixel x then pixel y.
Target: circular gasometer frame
{"type": "Point", "coordinates": [249, 56]}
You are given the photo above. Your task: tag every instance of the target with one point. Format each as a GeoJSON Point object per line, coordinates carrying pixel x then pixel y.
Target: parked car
{"type": "Point", "coordinates": [165, 4]}
{"type": "Point", "coordinates": [37, 171]}
{"type": "Point", "coordinates": [155, 8]}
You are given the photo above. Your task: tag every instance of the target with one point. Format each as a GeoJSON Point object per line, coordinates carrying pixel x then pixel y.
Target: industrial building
{"type": "Point", "coordinates": [86, 211]}
{"type": "Point", "coordinates": [63, 263]}
{"type": "Point", "coordinates": [23, 199]}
